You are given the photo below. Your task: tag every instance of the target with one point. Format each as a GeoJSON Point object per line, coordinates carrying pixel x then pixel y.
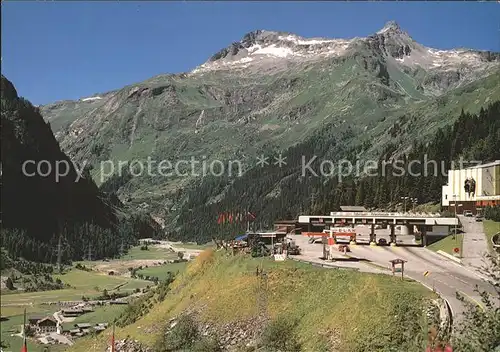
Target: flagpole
{"type": "Point", "coordinates": [25, 347]}
{"type": "Point", "coordinates": [113, 339]}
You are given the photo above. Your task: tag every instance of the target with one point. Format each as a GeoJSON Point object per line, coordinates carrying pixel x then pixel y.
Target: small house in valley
{"type": "Point", "coordinates": [43, 325]}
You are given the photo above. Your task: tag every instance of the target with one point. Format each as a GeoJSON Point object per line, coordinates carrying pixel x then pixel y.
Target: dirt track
{"type": "Point", "coordinates": [120, 267]}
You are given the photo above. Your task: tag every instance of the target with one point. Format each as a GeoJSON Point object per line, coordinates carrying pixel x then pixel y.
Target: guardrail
{"type": "Point", "coordinates": [330, 266]}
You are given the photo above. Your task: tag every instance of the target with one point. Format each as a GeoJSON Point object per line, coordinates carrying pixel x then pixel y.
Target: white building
{"type": "Point", "coordinates": [485, 178]}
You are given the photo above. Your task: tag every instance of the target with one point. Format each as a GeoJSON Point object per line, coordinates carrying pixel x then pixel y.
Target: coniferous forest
{"type": "Point", "coordinates": [282, 193]}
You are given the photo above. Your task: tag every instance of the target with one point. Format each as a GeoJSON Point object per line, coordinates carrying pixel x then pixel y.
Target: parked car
{"type": "Point", "coordinates": [479, 218]}
{"type": "Point", "coordinates": [343, 247]}
{"type": "Point", "coordinates": [468, 213]}
{"type": "Point", "coordinates": [382, 242]}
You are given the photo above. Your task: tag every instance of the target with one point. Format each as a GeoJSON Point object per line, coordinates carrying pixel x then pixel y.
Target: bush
{"type": "Point", "coordinates": [448, 214]}
{"type": "Point", "coordinates": [182, 336]}
{"type": "Point", "coordinates": [478, 330]}
{"type": "Point", "coordinates": [206, 344]}
{"type": "Point", "coordinates": [492, 213]}
{"type": "Point", "coordinates": [29, 331]}
{"type": "Point", "coordinates": [279, 335]}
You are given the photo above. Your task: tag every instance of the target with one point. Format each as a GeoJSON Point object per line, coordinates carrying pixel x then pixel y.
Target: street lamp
{"type": "Point", "coordinates": [405, 199]}
{"type": "Point", "coordinates": [456, 221]}
{"type": "Point", "coordinates": [414, 202]}
{"type": "Point", "coordinates": [455, 205]}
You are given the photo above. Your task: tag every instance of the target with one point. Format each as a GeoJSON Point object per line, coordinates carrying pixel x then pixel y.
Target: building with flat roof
{"type": "Point", "coordinates": [286, 226]}
{"type": "Point", "coordinates": [72, 312]}
{"type": "Point", "coordinates": [472, 188]}
{"type": "Point", "coordinates": [353, 208]}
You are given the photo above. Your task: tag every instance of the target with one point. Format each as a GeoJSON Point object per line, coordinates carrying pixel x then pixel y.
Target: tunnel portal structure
{"type": "Point", "coordinates": [408, 221]}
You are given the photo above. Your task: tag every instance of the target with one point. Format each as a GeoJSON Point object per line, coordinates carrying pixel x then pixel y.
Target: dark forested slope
{"type": "Point", "coordinates": [283, 192]}
{"type": "Point", "coordinates": [37, 207]}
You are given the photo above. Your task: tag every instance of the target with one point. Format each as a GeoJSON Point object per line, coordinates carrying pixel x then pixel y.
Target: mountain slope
{"type": "Point", "coordinates": [38, 206]}
{"type": "Point", "coordinates": [269, 92]}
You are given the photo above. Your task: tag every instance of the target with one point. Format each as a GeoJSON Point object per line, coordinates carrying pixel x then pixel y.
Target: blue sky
{"type": "Point", "coordinates": [69, 50]}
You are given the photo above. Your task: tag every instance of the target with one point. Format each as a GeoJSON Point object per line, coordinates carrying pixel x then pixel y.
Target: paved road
{"type": "Point", "coordinates": [474, 245]}
{"type": "Point", "coordinates": [446, 277]}
{"type": "Point", "coordinates": [313, 253]}
{"type": "Point", "coordinates": [59, 338]}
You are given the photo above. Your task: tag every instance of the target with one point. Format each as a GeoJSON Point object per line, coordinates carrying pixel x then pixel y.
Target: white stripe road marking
{"type": "Point", "coordinates": [408, 255]}
{"type": "Point", "coordinates": [439, 265]}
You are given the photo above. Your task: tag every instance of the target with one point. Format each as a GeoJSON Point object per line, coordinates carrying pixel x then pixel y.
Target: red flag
{"type": "Point", "coordinates": [219, 219]}
{"type": "Point", "coordinates": [113, 339]}
{"type": "Point", "coordinates": [230, 217]}
{"type": "Point", "coordinates": [25, 346]}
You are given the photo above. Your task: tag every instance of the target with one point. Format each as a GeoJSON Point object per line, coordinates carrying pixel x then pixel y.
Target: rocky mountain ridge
{"type": "Point", "coordinates": [264, 49]}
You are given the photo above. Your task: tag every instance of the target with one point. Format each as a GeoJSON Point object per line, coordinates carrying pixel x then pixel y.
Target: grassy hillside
{"type": "Point", "coordinates": [349, 310]}
{"type": "Point", "coordinates": [163, 271]}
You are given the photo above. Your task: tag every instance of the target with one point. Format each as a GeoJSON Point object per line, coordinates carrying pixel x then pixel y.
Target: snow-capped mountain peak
{"type": "Point", "coordinates": [390, 26]}
{"type": "Point", "coordinates": [269, 47]}
{"type": "Point", "coordinates": [261, 50]}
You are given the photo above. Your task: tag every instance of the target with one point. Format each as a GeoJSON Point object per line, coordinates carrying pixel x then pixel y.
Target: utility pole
{"type": "Point", "coordinates": [248, 221]}
{"type": "Point", "coordinates": [262, 291]}
{"type": "Point", "coordinates": [405, 199]}
{"type": "Point", "coordinates": [89, 255]}
{"type": "Point", "coordinates": [272, 245]}
{"type": "Point", "coordinates": [455, 201]}
{"type": "Point", "coordinates": [313, 198]}
{"type": "Point", "coordinates": [59, 252]}
{"type": "Point", "coordinates": [414, 203]}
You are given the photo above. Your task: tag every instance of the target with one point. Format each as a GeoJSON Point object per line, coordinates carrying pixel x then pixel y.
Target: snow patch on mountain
{"type": "Point", "coordinates": [261, 50]}
{"type": "Point", "coordinates": [446, 60]}
{"type": "Point", "coordinates": [274, 50]}
{"type": "Point", "coordinates": [288, 48]}
{"type": "Point", "coordinates": [91, 99]}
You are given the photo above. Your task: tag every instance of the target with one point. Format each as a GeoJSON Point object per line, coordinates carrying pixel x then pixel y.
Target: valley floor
{"type": "Point", "coordinates": [85, 284]}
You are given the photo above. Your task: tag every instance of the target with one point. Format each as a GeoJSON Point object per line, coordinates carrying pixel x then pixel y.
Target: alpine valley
{"type": "Point", "coordinates": [381, 96]}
